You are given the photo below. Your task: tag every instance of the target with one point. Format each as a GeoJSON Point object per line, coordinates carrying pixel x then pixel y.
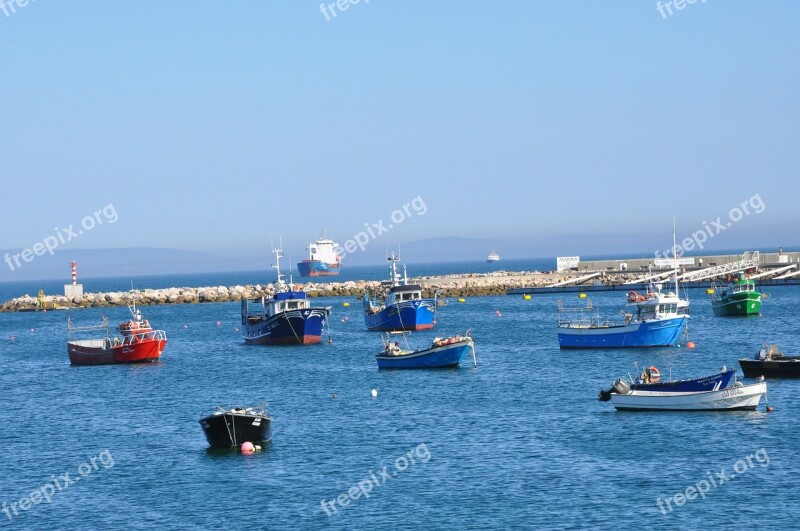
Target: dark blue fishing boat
{"type": "Point", "coordinates": [443, 352]}
{"type": "Point", "coordinates": [286, 318]}
{"type": "Point", "coordinates": [650, 380]}
{"type": "Point", "coordinates": [402, 308]}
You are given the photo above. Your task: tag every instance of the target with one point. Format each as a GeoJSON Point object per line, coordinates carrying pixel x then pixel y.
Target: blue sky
{"type": "Point", "coordinates": [215, 126]}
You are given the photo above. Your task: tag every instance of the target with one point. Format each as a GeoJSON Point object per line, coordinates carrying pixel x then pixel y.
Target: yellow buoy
{"type": "Point", "coordinates": [526, 297]}
{"type": "Point", "coordinates": [346, 304]}
{"type": "Point", "coordinates": [709, 291]}
{"type": "Point", "coordinates": [462, 299]}
{"type": "Point", "coordinates": [582, 296]}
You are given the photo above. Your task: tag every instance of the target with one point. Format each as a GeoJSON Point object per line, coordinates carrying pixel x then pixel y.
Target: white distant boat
{"type": "Point", "coordinates": [493, 257]}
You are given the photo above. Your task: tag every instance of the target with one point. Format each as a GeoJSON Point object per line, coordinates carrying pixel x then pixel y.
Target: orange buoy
{"type": "Point", "coordinates": [690, 345]}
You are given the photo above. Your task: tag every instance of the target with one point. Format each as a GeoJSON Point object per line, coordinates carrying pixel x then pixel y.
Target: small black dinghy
{"type": "Point", "coordinates": [233, 426]}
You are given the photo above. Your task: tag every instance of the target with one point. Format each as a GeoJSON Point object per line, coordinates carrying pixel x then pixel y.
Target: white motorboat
{"type": "Point", "coordinates": [734, 397]}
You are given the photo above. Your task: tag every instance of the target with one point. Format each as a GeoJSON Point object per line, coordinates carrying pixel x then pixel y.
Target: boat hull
{"type": "Point", "coordinates": [738, 305]}
{"type": "Point", "coordinates": [432, 358]}
{"type": "Point", "coordinates": [148, 351]}
{"type": "Point", "coordinates": [746, 397]}
{"type": "Point", "coordinates": [230, 430]}
{"type": "Point", "coordinates": [403, 316]}
{"type": "Point", "coordinates": [785, 368]}
{"type": "Point", "coordinates": [657, 333]}
{"type": "Point", "coordinates": [318, 268]}
{"type": "Point", "coordinates": [294, 327]}
{"type": "Point", "coordinates": [708, 383]}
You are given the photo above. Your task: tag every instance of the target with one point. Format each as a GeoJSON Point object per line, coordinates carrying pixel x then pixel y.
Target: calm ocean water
{"type": "Point", "coordinates": [521, 441]}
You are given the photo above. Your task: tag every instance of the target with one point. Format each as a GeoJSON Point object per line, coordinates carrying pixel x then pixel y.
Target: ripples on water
{"type": "Point", "coordinates": [520, 441]}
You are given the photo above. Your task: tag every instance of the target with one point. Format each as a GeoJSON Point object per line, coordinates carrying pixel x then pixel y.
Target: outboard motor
{"type": "Point", "coordinates": [621, 387]}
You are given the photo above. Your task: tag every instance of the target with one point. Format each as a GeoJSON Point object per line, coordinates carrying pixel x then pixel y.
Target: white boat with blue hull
{"type": "Point", "coordinates": [653, 320]}
{"type": "Point", "coordinates": [286, 318]}
{"type": "Point", "coordinates": [402, 308]}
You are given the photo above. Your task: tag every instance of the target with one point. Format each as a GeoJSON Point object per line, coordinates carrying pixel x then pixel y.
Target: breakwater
{"type": "Point", "coordinates": [466, 285]}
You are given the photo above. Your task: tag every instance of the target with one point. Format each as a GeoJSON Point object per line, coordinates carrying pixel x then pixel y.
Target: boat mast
{"type": "Point", "coordinates": [393, 259]}
{"type": "Point", "coordinates": [278, 255]}
{"type": "Point", "coordinates": [675, 255]}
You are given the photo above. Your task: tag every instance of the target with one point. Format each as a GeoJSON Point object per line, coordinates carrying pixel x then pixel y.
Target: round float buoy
{"type": "Point", "coordinates": [690, 345]}
{"type": "Point", "coordinates": [497, 313]}
{"type": "Point", "coordinates": [462, 299]}
{"type": "Point", "coordinates": [12, 339]}
{"type": "Point", "coordinates": [710, 291]}
{"type": "Point", "coordinates": [345, 304]}
{"type": "Point", "coordinates": [218, 323]}
{"type": "Point", "coordinates": [526, 297]}
{"type": "Point", "coordinates": [770, 409]}
{"type": "Point", "coordinates": [582, 296]}
{"type": "Point", "coordinates": [374, 393]}
{"type": "Point", "coordinates": [33, 330]}
{"type": "Point", "coordinates": [248, 448]}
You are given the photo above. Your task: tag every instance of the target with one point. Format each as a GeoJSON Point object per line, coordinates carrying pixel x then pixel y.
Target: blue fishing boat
{"type": "Point", "coordinates": [286, 318]}
{"type": "Point", "coordinates": [653, 320]}
{"type": "Point", "coordinates": [443, 352]}
{"type": "Point", "coordinates": [650, 380]}
{"type": "Point", "coordinates": [402, 308]}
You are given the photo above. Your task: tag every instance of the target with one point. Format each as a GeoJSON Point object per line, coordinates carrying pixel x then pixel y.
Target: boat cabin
{"type": "Point", "coordinates": [404, 293]}
{"type": "Point", "coordinates": [660, 309]}
{"type": "Point", "coordinates": [254, 310]}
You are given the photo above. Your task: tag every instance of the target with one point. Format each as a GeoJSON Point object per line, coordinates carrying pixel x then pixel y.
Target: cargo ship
{"type": "Point", "coordinates": [323, 260]}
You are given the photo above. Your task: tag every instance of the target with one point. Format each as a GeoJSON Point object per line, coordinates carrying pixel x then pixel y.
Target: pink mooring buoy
{"type": "Point", "coordinates": [248, 448]}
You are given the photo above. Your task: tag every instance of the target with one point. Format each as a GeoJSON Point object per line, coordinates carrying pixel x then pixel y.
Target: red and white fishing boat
{"type": "Point", "coordinates": [139, 342]}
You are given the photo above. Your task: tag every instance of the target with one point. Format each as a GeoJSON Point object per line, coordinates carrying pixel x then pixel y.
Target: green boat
{"type": "Point", "coordinates": [738, 298]}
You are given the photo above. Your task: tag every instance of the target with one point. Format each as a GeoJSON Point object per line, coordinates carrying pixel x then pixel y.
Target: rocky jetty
{"type": "Point", "coordinates": [465, 285]}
